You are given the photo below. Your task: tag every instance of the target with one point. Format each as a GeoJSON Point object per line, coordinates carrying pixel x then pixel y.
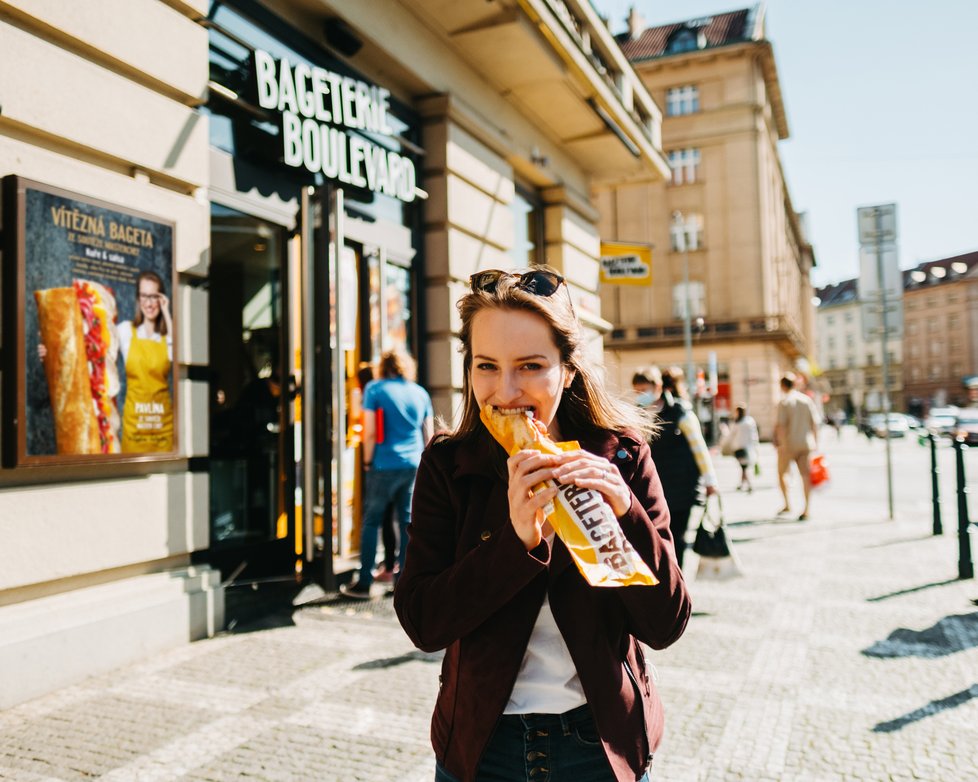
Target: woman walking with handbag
{"type": "Point", "coordinates": [680, 453]}
{"type": "Point", "coordinates": [544, 676]}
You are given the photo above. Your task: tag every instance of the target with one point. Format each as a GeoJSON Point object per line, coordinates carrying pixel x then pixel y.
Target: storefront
{"type": "Point", "coordinates": [306, 156]}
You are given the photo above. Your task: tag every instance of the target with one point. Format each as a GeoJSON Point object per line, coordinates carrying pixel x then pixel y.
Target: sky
{"type": "Point", "coordinates": [882, 107]}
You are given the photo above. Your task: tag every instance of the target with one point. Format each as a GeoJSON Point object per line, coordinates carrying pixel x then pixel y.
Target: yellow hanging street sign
{"type": "Point", "coordinates": [626, 264]}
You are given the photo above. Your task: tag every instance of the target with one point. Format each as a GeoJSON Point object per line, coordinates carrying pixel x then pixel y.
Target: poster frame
{"type": "Point", "coordinates": [14, 457]}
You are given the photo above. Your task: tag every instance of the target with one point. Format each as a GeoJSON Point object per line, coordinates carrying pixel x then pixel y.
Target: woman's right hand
{"type": "Point", "coordinates": [526, 470]}
{"type": "Point", "coordinates": [42, 351]}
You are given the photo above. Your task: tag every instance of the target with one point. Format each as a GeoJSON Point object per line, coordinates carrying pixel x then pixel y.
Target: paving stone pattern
{"type": "Point", "coordinates": [847, 651]}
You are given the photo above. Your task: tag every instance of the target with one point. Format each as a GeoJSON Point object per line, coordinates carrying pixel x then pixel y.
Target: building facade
{"type": "Point", "coordinates": [724, 221]}
{"type": "Point", "coordinates": [940, 303]}
{"type": "Point", "coordinates": [851, 361]}
{"type": "Point", "coordinates": [311, 183]}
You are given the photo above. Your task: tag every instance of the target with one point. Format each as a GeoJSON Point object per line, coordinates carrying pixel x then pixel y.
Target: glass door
{"type": "Point", "coordinates": [252, 521]}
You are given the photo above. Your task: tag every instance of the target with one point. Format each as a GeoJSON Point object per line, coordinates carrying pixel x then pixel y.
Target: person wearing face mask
{"type": "Point", "coordinates": [680, 453]}
{"type": "Point", "coordinates": [645, 393]}
{"type": "Point", "coordinates": [543, 676]}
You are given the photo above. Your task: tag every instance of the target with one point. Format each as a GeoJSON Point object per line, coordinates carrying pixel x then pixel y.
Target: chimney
{"type": "Point", "coordinates": [636, 24]}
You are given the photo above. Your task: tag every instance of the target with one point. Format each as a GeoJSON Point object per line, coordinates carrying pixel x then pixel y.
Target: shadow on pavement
{"type": "Point", "coordinates": [250, 607]}
{"type": "Point", "coordinates": [910, 591]}
{"type": "Point", "coordinates": [390, 662]}
{"type": "Point", "coordinates": [898, 541]}
{"type": "Point", "coordinates": [934, 707]}
{"type": "Point", "coordinates": [951, 634]}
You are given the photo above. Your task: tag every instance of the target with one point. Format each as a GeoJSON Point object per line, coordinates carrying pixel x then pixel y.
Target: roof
{"type": "Point", "coordinates": [838, 293]}
{"type": "Point", "coordinates": [940, 272]}
{"type": "Point", "coordinates": [923, 275]}
{"type": "Point", "coordinates": [718, 30]}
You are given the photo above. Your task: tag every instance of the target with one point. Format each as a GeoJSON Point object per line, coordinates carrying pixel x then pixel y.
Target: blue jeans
{"type": "Point", "coordinates": [543, 748]}
{"type": "Point", "coordinates": [381, 488]}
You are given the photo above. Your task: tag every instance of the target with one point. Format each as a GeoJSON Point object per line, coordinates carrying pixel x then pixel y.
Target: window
{"type": "Point", "coordinates": [935, 372]}
{"type": "Point", "coordinates": [915, 373]}
{"type": "Point", "coordinates": [687, 235]}
{"type": "Point", "coordinates": [697, 300]}
{"type": "Point", "coordinates": [850, 340]}
{"type": "Point", "coordinates": [527, 227]}
{"type": "Point", "coordinates": [831, 363]}
{"type": "Point", "coordinates": [912, 328]}
{"type": "Point", "coordinates": [684, 39]}
{"type": "Point", "coordinates": [830, 319]}
{"type": "Point", "coordinates": [831, 342]}
{"type": "Point", "coordinates": [850, 362]}
{"type": "Point", "coordinates": [682, 100]}
{"type": "Point", "coordinates": [685, 164]}
{"type": "Point", "coordinates": [849, 317]}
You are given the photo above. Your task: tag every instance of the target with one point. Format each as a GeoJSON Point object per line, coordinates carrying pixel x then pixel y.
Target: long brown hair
{"type": "Point", "coordinates": [160, 324]}
{"type": "Point", "coordinates": [586, 406]}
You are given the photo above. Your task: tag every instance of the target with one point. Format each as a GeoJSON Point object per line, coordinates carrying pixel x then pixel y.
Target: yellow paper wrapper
{"type": "Point", "coordinates": [581, 518]}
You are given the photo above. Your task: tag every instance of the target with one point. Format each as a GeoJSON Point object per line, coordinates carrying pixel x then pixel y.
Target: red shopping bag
{"type": "Point", "coordinates": [819, 470]}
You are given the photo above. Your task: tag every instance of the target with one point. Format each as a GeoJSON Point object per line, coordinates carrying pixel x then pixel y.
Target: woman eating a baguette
{"type": "Point", "coordinates": [540, 556]}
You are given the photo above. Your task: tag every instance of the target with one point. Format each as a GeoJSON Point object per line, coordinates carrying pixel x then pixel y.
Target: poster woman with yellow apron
{"type": "Point", "coordinates": [147, 351]}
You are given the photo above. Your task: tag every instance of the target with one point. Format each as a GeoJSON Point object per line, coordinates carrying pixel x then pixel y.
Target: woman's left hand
{"type": "Point", "coordinates": [589, 471]}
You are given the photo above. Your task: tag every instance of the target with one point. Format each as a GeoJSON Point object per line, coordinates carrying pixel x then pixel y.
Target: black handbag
{"type": "Point", "coordinates": [711, 538]}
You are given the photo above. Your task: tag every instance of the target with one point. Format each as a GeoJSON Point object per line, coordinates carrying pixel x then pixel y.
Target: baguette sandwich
{"type": "Point", "coordinates": [581, 517]}
{"type": "Point", "coordinates": [77, 328]}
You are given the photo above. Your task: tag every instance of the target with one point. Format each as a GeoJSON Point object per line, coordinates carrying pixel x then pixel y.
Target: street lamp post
{"type": "Point", "coordinates": [679, 222]}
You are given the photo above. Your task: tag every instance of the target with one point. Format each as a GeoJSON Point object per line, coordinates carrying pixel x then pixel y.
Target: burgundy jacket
{"type": "Point", "coordinates": [471, 587]}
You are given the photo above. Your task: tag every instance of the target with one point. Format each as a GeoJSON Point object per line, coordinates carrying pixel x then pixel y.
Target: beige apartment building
{"type": "Point", "coordinates": [300, 185]}
{"type": "Point", "coordinates": [748, 256]}
{"type": "Point", "coordinates": [851, 364]}
{"type": "Point", "coordinates": [940, 304]}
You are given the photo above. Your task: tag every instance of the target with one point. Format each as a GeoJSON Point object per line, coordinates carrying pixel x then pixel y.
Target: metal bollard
{"type": "Point", "coordinates": [966, 568]}
{"type": "Point", "coordinates": [935, 486]}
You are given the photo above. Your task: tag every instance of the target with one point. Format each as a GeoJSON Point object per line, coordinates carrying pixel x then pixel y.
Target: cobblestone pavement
{"type": "Point", "coordinates": [847, 651]}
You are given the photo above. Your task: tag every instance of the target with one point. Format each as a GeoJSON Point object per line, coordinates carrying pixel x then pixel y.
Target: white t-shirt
{"type": "Point", "coordinates": [145, 330]}
{"type": "Point", "coordinates": [547, 682]}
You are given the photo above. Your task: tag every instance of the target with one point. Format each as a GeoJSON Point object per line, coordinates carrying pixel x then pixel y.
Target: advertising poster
{"type": "Point", "coordinates": [94, 329]}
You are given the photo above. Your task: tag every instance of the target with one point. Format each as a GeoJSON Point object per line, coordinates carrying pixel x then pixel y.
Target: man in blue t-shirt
{"type": "Point", "coordinates": [397, 423]}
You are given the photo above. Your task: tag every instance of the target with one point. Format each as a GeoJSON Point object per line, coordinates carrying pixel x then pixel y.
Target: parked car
{"type": "Point", "coordinates": [967, 425]}
{"type": "Point", "coordinates": [942, 420]}
{"type": "Point", "coordinates": [894, 425]}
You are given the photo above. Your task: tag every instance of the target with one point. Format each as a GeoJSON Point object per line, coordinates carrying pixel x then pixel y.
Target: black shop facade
{"type": "Point", "coordinates": [314, 272]}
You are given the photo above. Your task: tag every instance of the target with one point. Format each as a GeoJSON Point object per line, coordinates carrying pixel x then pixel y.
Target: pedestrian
{"type": "Point", "coordinates": [543, 677]}
{"type": "Point", "coordinates": [744, 441]}
{"type": "Point", "coordinates": [642, 386]}
{"type": "Point", "coordinates": [366, 374]}
{"type": "Point", "coordinates": [838, 419]}
{"type": "Point", "coordinates": [795, 436]}
{"type": "Point", "coordinates": [680, 453]}
{"type": "Point", "coordinates": [390, 457]}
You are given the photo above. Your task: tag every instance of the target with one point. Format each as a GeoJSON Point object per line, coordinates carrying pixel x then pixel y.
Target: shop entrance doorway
{"type": "Point", "coordinates": [252, 475]}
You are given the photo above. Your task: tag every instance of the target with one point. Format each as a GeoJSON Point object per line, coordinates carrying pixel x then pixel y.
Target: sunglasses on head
{"type": "Point", "coordinates": [539, 282]}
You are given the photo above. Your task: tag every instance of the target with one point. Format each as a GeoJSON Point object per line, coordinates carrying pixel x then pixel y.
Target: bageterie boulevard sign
{"type": "Point", "coordinates": [317, 107]}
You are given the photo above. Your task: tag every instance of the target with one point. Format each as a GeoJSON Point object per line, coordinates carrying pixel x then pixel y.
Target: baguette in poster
{"type": "Point", "coordinates": [98, 310]}
{"type": "Point", "coordinates": [66, 368]}
{"type": "Point", "coordinates": [581, 517]}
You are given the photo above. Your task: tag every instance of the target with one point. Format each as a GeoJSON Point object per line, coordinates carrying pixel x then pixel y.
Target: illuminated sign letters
{"type": "Point", "coordinates": [317, 108]}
